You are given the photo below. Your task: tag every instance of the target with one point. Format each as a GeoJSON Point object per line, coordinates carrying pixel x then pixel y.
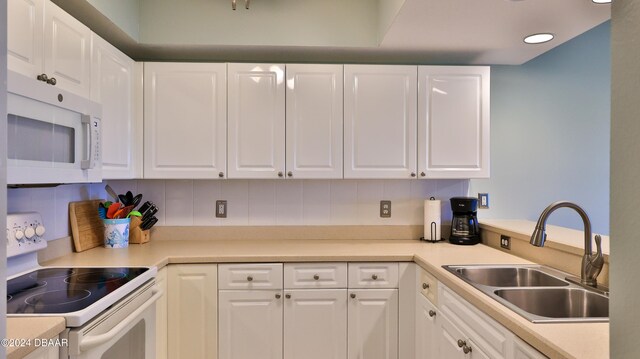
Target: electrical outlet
{"type": "Point", "coordinates": [505, 242]}
{"type": "Point", "coordinates": [385, 209]}
{"type": "Point", "coordinates": [483, 200]}
{"type": "Point", "coordinates": [221, 209]}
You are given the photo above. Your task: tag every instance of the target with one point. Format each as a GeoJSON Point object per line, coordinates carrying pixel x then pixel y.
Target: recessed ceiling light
{"type": "Point", "coordinates": [602, 1]}
{"type": "Point", "coordinates": [538, 38]}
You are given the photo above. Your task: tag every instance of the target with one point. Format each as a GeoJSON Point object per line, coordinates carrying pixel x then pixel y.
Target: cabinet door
{"type": "Point", "coordinates": [250, 324]}
{"type": "Point", "coordinates": [453, 124]}
{"type": "Point", "coordinates": [67, 51]}
{"type": "Point", "coordinates": [447, 336]}
{"type": "Point", "coordinates": [161, 315]}
{"type": "Point", "coordinates": [426, 327]}
{"type": "Point", "coordinates": [113, 85]}
{"type": "Point", "coordinates": [373, 324]}
{"type": "Point", "coordinates": [315, 324]}
{"type": "Point", "coordinates": [380, 121]}
{"type": "Point", "coordinates": [314, 121]}
{"type": "Point", "coordinates": [192, 317]}
{"type": "Point", "coordinates": [256, 120]}
{"type": "Point", "coordinates": [185, 120]}
{"type": "Point", "coordinates": [25, 20]}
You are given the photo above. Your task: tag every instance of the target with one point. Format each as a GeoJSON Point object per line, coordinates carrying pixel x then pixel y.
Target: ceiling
{"type": "Point", "coordinates": [353, 31]}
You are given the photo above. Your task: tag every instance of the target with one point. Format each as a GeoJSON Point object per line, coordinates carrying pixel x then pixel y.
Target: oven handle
{"type": "Point", "coordinates": [95, 340]}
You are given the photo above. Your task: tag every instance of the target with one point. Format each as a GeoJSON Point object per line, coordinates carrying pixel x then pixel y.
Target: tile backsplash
{"type": "Point", "coordinates": [252, 202]}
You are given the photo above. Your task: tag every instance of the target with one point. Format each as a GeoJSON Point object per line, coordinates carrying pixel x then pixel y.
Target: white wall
{"type": "Point", "coordinates": [3, 165]}
{"type": "Point", "coordinates": [550, 122]}
{"type": "Point", "coordinates": [625, 183]}
{"type": "Point", "coordinates": [125, 14]}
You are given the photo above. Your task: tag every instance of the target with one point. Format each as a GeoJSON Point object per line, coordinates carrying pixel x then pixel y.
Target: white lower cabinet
{"type": "Point", "coordinates": [52, 352]}
{"type": "Point", "coordinates": [250, 324]}
{"type": "Point", "coordinates": [192, 311]}
{"type": "Point", "coordinates": [315, 324]}
{"type": "Point", "coordinates": [373, 324]}
{"type": "Point", "coordinates": [522, 350]}
{"type": "Point", "coordinates": [161, 315]}
{"type": "Point", "coordinates": [426, 328]}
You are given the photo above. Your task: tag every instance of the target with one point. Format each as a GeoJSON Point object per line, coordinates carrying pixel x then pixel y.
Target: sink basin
{"type": "Point", "coordinates": [509, 277]}
{"type": "Point", "coordinates": [557, 302]}
{"type": "Point", "coordinates": [536, 292]}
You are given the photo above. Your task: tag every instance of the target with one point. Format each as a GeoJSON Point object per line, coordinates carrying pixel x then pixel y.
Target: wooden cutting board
{"type": "Point", "coordinates": [86, 227]}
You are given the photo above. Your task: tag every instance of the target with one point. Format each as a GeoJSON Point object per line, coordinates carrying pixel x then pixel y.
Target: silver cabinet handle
{"type": "Point", "coordinates": [280, 174]}
{"type": "Point", "coordinates": [466, 349]}
{"type": "Point", "coordinates": [374, 277]}
{"type": "Point", "coordinates": [422, 174]}
{"type": "Point", "coordinates": [316, 277]}
{"type": "Point", "coordinates": [221, 174]}
{"type": "Point", "coordinates": [52, 81]}
{"type": "Point", "coordinates": [290, 174]}
{"type": "Point", "coordinates": [432, 313]}
{"type": "Point", "coordinates": [425, 286]}
{"type": "Point", "coordinates": [278, 296]}
{"type": "Point", "coordinates": [288, 296]}
{"type": "Point", "coordinates": [461, 343]}
{"type": "Point", "coordinates": [353, 295]}
{"type": "Point", "coordinates": [249, 278]}
{"type": "Point", "coordinates": [413, 174]}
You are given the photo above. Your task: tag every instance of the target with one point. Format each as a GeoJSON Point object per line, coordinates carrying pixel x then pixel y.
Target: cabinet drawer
{"type": "Point", "coordinates": [373, 275]}
{"type": "Point", "coordinates": [315, 275]}
{"type": "Point", "coordinates": [486, 333]}
{"type": "Point", "coordinates": [428, 286]}
{"type": "Point", "coordinates": [250, 276]}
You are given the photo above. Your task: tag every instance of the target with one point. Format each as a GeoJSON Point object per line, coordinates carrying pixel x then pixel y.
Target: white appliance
{"type": "Point", "coordinates": [53, 136]}
{"type": "Point", "coordinates": [109, 311]}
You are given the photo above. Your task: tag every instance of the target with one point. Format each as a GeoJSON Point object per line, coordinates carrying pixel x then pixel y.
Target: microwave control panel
{"type": "Point", "coordinates": [25, 233]}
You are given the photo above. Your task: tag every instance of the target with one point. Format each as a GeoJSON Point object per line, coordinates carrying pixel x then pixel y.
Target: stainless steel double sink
{"type": "Point", "coordinates": [538, 293]}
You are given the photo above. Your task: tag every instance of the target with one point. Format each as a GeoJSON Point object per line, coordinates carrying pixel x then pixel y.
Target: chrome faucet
{"type": "Point", "coordinates": [591, 263]}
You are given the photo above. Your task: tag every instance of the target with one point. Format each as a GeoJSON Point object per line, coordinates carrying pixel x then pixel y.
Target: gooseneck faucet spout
{"type": "Point", "coordinates": [591, 263]}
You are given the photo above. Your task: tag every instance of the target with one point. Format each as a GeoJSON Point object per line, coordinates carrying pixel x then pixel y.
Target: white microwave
{"type": "Point", "coordinates": [53, 136]}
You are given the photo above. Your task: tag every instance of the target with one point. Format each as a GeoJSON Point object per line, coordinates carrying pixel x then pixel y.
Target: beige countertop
{"type": "Point", "coordinates": [20, 330]}
{"type": "Point", "coordinates": [584, 340]}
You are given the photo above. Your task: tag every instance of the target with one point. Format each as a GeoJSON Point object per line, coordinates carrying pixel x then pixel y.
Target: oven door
{"type": "Point", "coordinates": [126, 330]}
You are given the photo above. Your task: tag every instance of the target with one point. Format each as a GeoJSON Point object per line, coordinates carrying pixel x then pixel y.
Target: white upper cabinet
{"type": "Point", "coordinates": [314, 121]}
{"type": "Point", "coordinates": [256, 120]}
{"type": "Point", "coordinates": [185, 119]}
{"type": "Point", "coordinates": [25, 50]}
{"type": "Point", "coordinates": [44, 40]}
{"type": "Point", "coordinates": [380, 121]}
{"type": "Point", "coordinates": [453, 121]}
{"type": "Point", "coordinates": [116, 84]}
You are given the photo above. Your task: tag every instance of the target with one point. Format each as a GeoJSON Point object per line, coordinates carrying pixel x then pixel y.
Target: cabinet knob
{"type": "Point", "coordinates": [249, 278]}
{"type": "Point", "coordinates": [278, 296]}
{"type": "Point", "coordinates": [425, 285]}
{"type": "Point", "coordinates": [413, 174]}
{"type": "Point", "coordinates": [52, 81]}
{"type": "Point", "coordinates": [466, 349]}
{"type": "Point", "coordinates": [374, 277]}
{"type": "Point", "coordinates": [432, 313]}
{"type": "Point", "coordinates": [422, 174]}
{"type": "Point", "coordinates": [461, 343]}
{"type": "Point", "coordinates": [42, 77]}
{"type": "Point", "coordinates": [221, 174]}
{"type": "Point", "coordinates": [288, 296]}
{"type": "Point", "coordinates": [290, 174]}
{"type": "Point", "coordinates": [316, 277]}
{"type": "Point", "coordinates": [280, 174]}
{"type": "Point", "coordinates": [353, 295]}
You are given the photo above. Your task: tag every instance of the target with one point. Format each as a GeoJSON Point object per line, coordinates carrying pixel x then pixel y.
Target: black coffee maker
{"type": "Point", "coordinates": [464, 225]}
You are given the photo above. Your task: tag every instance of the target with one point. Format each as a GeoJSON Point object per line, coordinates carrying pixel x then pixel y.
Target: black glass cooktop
{"type": "Point", "coordinates": [64, 290]}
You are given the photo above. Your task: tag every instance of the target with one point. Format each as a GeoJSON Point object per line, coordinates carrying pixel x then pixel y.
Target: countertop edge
{"type": "Point", "coordinates": [45, 328]}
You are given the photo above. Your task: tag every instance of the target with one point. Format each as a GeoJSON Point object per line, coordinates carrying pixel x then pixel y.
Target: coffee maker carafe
{"type": "Point", "coordinates": [464, 224]}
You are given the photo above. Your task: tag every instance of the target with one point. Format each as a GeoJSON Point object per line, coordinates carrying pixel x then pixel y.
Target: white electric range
{"type": "Point", "coordinates": [109, 311]}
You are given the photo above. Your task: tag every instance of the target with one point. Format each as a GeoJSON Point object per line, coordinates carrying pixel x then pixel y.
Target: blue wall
{"type": "Point", "coordinates": [550, 126]}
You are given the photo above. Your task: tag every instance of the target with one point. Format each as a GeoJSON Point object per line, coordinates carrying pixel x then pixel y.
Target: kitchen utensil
{"type": "Point", "coordinates": [86, 226]}
{"type": "Point", "coordinates": [122, 212]}
{"type": "Point", "coordinates": [113, 208]}
{"type": "Point", "coordinates": [112, 193]}
{"type": "Point", "coordinates": [148, 209]}
{"type": "Point", "coordinates": [102, 211]}
{"type": "Point", "coordinates": [148, 223]}
{"type": "Point", "coordinates": [107, 204]}
{"type": "Point", "coordinates": [136, 200]}
{"type": "Point", "coordinates": [134, 214]}
{"type": "Point", "coordinates": [123, 199]}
